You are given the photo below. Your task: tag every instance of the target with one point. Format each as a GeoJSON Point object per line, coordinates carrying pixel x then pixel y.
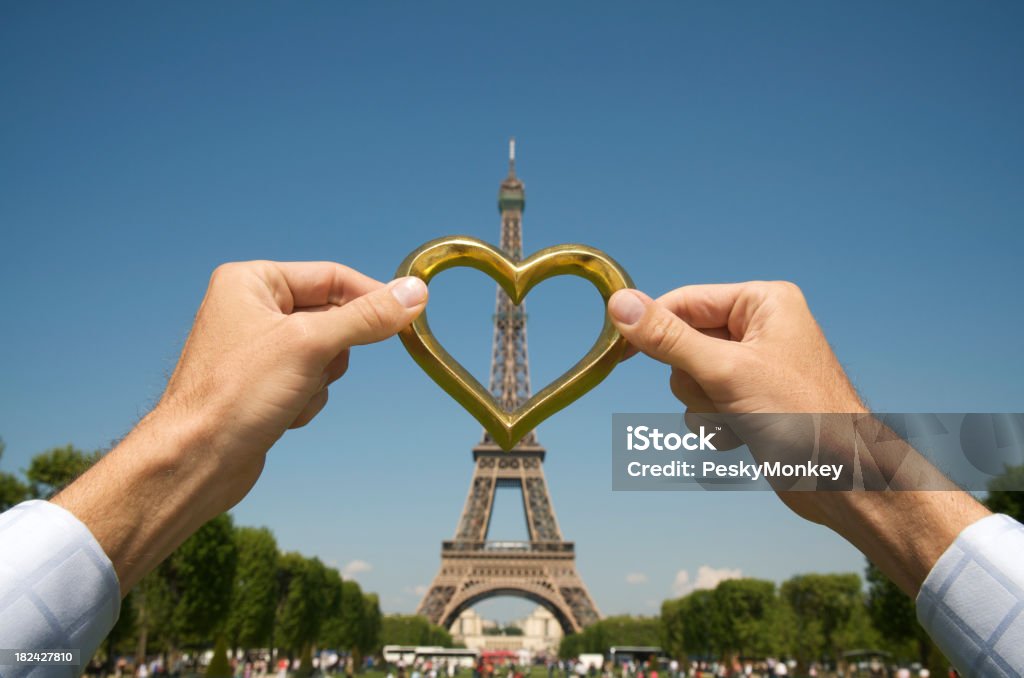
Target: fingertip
{"type": "Point", "coordinates": [410, 291]}
{"type": "Point", "coordinates": [626, 307]}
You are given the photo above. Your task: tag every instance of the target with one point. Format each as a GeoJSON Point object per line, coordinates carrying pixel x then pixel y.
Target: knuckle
{"type": "Point", "coordinates": [789, 289]}
{"type": "Point", "coordinates": [784, 291]}
{"type": "Point", "coordinates": [663, 333]}
{"type": "Point", "coordinates": [373, 314]}
{"type": "Point", "coordinates": [225, 271]}
{"type": "Point", "coordinates": [761, 288]}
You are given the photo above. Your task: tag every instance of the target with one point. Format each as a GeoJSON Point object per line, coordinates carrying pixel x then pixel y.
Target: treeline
{"type": "Point", "coordinates": [810, 618]}
{"type": "Point", "coordinates": [620, 630]}
{"type": "Point", "coordinates": [231, 584]}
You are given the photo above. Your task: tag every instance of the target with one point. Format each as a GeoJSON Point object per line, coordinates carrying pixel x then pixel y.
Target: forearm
{"type": "Point", "coordinates": [150, 493]}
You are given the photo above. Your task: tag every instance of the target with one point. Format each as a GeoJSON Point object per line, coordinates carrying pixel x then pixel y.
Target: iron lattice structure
{"type": "Point", "coordinates": [510, 364]}
{"type": "Point", "coordinates": [542, 569]}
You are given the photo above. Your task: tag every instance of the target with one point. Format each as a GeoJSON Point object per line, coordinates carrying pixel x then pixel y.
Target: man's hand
{"type": "Point", "coordinates": [754, 348]}
{"type": "Point", "coordinates": [739, 348]}
{"type": "Point", "coordinates": [267, 342]}
{"type": "Point", "coordinates": [745, 348]}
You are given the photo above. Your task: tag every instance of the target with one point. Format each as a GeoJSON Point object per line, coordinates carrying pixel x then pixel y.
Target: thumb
{"type": "Point", "coordinates": [656, 331]}
{"type": "Point", "coordinates": [377, 315]}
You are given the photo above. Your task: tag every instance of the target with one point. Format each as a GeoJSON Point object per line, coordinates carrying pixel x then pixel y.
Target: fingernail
{"type": "Point", "coordinates": [410, 291]}
{"type": "Point", "coordinates": [626, 307]}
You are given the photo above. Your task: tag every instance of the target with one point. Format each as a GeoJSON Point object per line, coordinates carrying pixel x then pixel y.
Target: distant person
{"type": "Point", "coordinates": [270, 338]}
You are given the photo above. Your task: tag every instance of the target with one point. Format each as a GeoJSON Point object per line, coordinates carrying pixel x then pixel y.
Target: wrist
{"type": "Point", "coordinates": [175, 452]}
{"type": "Point", "coordinates": [902, 532]}
{"type": "Point", "coordinates": [161, 479]}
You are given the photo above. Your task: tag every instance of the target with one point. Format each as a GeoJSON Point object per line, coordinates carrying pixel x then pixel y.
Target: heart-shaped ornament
{"type": "Point", "coordinates": [517, 279]}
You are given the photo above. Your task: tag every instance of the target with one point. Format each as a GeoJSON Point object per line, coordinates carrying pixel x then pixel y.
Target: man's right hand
{"type": "Point", "coordinates": [738, 348]}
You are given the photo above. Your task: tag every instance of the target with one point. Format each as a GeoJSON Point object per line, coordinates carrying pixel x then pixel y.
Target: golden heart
{"type": "Point", "coordinates": [517, 279]}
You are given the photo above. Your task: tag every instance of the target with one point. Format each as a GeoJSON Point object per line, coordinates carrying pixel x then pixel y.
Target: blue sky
{"type": "Point", "coordinates": [871, 152]}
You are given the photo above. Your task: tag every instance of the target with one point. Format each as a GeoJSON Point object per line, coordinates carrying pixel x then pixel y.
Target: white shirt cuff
{"type": "Point", "coordinates": [972, 601]}
{"type": "Point", "coordinates": [58, 589]}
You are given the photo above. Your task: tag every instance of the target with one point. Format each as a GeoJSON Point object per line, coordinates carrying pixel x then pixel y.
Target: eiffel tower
{"type": "Point", "coordinates": [542, 569]}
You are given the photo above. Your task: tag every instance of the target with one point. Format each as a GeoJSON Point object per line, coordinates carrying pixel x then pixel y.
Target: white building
{"type": "Point", "coordinates": [541, 633]}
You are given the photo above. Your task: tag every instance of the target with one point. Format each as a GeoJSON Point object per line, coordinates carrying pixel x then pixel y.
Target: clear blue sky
{"type": "Point", "coordinates": [871, 152]}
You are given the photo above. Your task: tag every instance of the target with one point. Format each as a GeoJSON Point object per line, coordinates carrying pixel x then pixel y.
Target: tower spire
{"type": "Point", "coordinates": [510, 367]}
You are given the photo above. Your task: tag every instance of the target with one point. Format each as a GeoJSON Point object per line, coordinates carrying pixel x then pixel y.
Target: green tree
{"type": "Point", "coordinates": [188, 597]}
{"type": "Point", "coordinates": [701, 624]}
{"type": "Point", "coordinates": [673, 625]}
{"type": "Point", "coordinates": [369, 642]}
{"type": "Point", "coordinates": [1004, 495]}
{"type": "Point", "coordinates": [219, 666]}
{"type": "Point", "coordinates": [358, 626]}
{"type": "Point", "coordinates": [353, 613]}
{"type": "Point", "coordinates": [301, 607]}
{"type": "Point", "coordinates": [893, 615]}
{"type": "Point", "coordinates": [402, 629]}
{"type": "Point", "coordinates": [254, 599]}
{"type": "Point", "coordinates": [746, 609]}
{"type": "Point", "coordinates": [51, 471]}
{"type": "Point", "coordinates": [619, 630]}
{"type": "Point", "coordinates": [12, 490]}
{"type": "Point", "coordinates": [830, 614]}
{"type": "Point", "coordinates": [332, 631]}
{"type": "Point", "coordinates": [123, 632]}
{"type": "Point", "coordinates": [306, 662]}
{"type": "Point", "coordinates": [571, 646]}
